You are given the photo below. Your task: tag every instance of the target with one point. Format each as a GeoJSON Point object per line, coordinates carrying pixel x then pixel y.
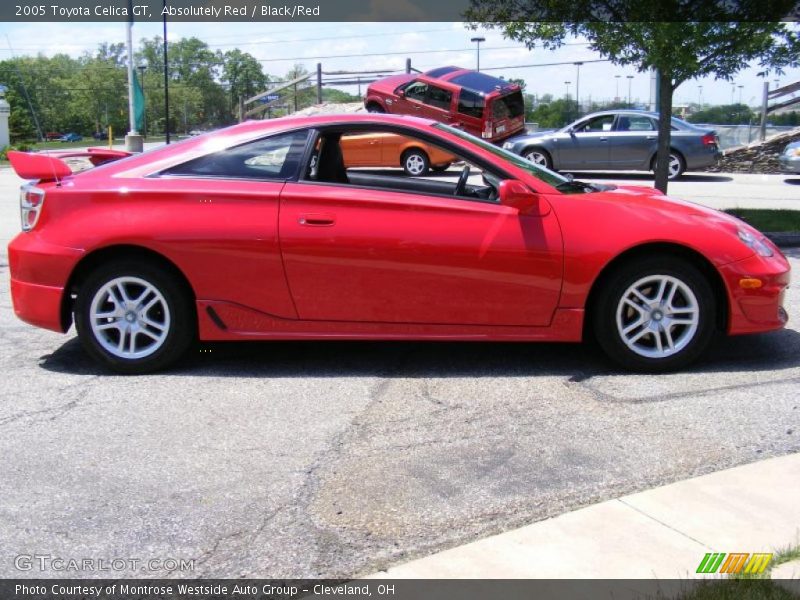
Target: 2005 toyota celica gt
{"type": "Point", "coordinates": [259, 231]}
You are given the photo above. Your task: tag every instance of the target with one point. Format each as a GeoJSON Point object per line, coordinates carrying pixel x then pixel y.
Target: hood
{"type": "Point", "coordinates": [646, 197]}
{"type": "Point", "coordinates": [388, 85]}
{"type": "Point", "coordinates": [526, 137]}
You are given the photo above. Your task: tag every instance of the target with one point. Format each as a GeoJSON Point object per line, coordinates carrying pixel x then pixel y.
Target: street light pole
{"type": "Point", "coordinates": [478, 41]}
{"type": "Point", "coordinates": [616, 95]}
{"type": "Point", "coordinates": [566, 83]}
{"type": "Point", "coordinates": [700, 96]}
{"type": "Point", "coordinates": [578, 87]}
{"type": "Point", "coordinates": [740, 93]}
{"type": "Point", "coordinates": [630, 79]}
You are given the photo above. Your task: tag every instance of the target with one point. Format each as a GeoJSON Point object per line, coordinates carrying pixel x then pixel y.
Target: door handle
{"type": "Point", "coordinates": [651, 137]}
{"type": "Point", "coordinates": [317, 219]}
{"type": "Point", "coordinates": [603, 139]}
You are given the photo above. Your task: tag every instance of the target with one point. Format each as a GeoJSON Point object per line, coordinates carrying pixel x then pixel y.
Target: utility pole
{"type": "Point", "coordinates": [616, 95]}
{"type": "Point", "coordinates": [762, 131]}
{"type": "Point", "coordinates": [578, 87]}
{"type": "Point", "coordinates": [166, 77]}
{"type": "Point", "coordinates": [630, 79]}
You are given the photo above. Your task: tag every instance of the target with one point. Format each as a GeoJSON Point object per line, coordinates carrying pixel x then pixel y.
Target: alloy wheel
{"type": "Point", "coordinates": [657, 316]}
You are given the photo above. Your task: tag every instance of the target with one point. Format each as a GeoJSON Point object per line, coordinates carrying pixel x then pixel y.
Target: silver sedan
{"type": "Point", "coordinates": [790, 158]}
{"type": "Point", "coordinates": [618, 140]}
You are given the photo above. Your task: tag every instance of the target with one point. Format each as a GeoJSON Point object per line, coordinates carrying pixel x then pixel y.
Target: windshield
{"type": "Point", "coordinates": [545, 175]}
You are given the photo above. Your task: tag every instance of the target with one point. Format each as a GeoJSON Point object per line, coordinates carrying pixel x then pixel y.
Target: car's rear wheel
{"type": "Point", "coordinates": [538, 157]}
{"type": "Point", "coordinates": [133, 317]}
{"type": "Point", "coordinates": [675, 167]}
{"type": "Point", "coordinates": [655, 314]}
{"type": "Point", "coordinates": [415, 162]}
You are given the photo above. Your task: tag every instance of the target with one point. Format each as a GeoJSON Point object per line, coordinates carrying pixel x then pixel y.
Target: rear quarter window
{"type": "Point", "coordinates": [275, 157]}
{"type": "Point", "coordinates": [470, 104]}
{"type": "Point", "coordinates": [510, 106]}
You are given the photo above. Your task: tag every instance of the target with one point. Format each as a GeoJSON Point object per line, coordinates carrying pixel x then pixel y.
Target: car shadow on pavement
{"type": "Point", "coordinates": [687, 178]}
{"type": "Point", "coordinates": [792, 181]}
{"type": "Point", "coordinates": [775, 351]}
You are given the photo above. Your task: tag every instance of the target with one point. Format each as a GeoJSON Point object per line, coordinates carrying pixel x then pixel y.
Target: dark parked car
{"type": "Point", "coordinates": [618, 140]}
{"type": "Point", "coordinates": [485, 106]}
{"type": "Point", "coordinates": [71, 137]}
{"type": "Point", "coordinates": [790, 158]}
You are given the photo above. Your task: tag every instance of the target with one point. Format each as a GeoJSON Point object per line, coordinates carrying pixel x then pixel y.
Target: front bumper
{"type": "Point", "coordinates": [39, 275]}
{"type": "Point", "coordinates": [755, 310]}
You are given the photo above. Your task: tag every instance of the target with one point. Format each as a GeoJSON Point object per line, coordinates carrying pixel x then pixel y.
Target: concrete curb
{"type": "Point", "coordinates": [784, 239]}
{"type": "Point", "coordinates": [661, 533]}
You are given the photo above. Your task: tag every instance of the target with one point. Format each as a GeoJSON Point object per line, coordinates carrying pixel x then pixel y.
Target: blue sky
{"type": "Point", "coordinates": [385, 46]}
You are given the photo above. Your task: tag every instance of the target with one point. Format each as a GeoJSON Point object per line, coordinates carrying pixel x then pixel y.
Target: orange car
{"type": "Point", "coordinates": [392, 150]}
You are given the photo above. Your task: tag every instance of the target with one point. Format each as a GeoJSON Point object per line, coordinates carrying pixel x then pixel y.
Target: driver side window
{"type": "Point", "coordinates": [395, 160]}
{"type": "Point", "coordinates": [416, 91]}
{"type": "Point", "coordinates": [598, 124]}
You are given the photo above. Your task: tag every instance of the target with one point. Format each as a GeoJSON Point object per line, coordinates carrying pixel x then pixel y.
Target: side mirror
{"type": "Point", "coordinates": [516, 194]}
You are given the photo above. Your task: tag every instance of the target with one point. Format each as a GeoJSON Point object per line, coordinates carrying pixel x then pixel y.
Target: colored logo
{"type": "Point", "coordinates": [734, 563]}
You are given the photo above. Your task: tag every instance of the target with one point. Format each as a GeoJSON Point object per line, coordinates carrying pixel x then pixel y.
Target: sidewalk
{"type": "Point", "coordinates": [661, 533]}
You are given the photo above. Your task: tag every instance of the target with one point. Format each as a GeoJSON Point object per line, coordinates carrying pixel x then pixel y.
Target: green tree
{"type": "Point", "coordinates": [727, 114]}
{"type": "Point", "coordinates": [243, 75]}
{"type": "Point", "coordinates": [554, 114]}
{"type": "Point", "coordinates": [681, 39]}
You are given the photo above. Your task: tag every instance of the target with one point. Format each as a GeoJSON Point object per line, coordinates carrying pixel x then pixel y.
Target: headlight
{"type": "Point", "coordinates": [749, 240]}
{"type": "Point", "coordinates": [792, 151]}
{"type": "Point", "coordinates": [508, 145]}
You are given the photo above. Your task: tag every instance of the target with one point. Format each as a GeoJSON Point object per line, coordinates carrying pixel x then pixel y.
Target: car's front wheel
{"type": "Point", "coordinates": [538, 157]}
{"type": "Point", "coordinates": [655, 314]}
{"type": "Point", "coordinates": [133, 317]}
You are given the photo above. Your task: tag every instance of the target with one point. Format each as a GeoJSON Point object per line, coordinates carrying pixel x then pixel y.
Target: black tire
{"type": "Point", "coordinates": [543, 157]}
{"type": "Point", "coordinates": [374, 107]}
{"type": "Point", "coordinates": [440, 168]}
{"type": "Point", "coordinates": [179, 327]}
{"type": "Point", "coordinates": [415, 162]}
{"type": "Point", "coordinates": [676, 156]}
{"type": "Point", "coordinates": [610, 298]}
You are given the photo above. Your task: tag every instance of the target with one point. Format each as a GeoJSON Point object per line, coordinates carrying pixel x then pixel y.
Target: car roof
{"type": "Point", "coordinates": [467, 79]}
{"type": "Point", "coordinates": [242, 133]}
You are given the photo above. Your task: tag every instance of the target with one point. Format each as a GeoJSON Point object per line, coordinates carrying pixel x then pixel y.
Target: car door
{"type": "Point", "coordinates": [633, 141]}
{"type": "Point", "coordinates": [355, 253]}
{"type": "Point", "coordinates": [438, 104]}
{"type": "Point", "coordinates": [364, 150]}
{"type": "Point", "coordinates": [586, 145]}
{"type": "Point", "coordinates": [412, 99]}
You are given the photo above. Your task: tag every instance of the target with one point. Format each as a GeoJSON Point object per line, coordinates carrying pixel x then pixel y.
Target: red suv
{"type": "Point", "coordinates": [482, 105]}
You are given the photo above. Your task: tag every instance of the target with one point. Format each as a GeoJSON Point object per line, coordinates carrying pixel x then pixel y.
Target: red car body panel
{"type": "Point", "coordinates": [377, 264]}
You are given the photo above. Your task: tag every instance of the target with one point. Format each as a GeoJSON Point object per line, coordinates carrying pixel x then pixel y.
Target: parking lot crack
{"type": "Point", "coordinates": [667, 525]}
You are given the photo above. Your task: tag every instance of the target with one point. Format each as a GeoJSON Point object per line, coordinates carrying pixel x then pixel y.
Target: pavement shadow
{"type": "Point", "coordinates": [578, 362]}
{"type": "Point", "coordinates": [792, 181]}
{"type": "Point", "coordinates": [687, 178]}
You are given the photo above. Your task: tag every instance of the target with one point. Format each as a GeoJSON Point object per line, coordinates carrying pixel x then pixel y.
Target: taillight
{"type": "Point", "coordinates": [709, 139]}
{"type": "Point", "coordinates": [31, 200]}
{"type": "Point", "coordinates": [488, 127]}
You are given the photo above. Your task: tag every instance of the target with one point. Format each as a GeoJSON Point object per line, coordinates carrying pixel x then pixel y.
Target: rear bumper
{"type": "Point", "coordinates": [39, 275]}
{"type": "Point", "coordinates": [760, 309]}
{"type": "Point", "coordinates": [701, 160]}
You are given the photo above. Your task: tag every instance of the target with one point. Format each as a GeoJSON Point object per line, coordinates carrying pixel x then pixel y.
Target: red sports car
{"type": "Point", "coordinates": [260, 231]}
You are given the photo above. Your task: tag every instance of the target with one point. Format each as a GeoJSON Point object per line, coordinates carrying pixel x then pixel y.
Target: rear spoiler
{"type": "Point", "coordinates": [51, 166]}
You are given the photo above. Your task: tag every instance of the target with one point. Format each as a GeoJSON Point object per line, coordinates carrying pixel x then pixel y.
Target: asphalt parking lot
{"type": "Point", "coordinates": [338, 459]}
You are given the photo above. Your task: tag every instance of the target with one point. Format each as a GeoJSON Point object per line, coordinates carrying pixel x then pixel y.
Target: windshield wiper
{"type": "Point", "coordinates": [582, 186]}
